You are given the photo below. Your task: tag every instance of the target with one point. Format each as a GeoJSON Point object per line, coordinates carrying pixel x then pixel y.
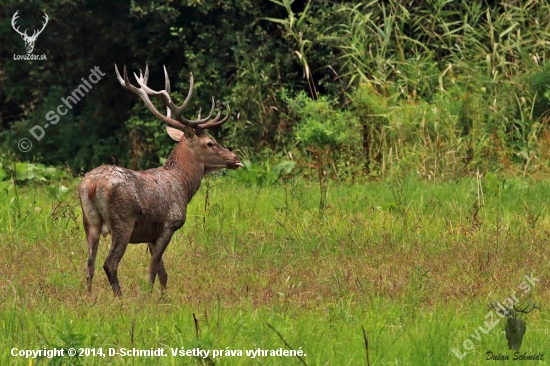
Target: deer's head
{"type": "Point", "coordinates": [209, 154]}
{"type": "Point", "coordinates": [191, 134]}
{"type": "Point", "coordinates": [29, 40]}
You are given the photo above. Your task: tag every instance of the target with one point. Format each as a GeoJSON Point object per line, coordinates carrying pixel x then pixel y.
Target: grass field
{"type": "Point", "coordinates": [414, 263]}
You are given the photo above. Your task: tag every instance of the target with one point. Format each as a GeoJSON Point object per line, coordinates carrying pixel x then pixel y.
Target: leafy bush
{"type": "Point", "coordinates": [264, 173]}
{"type": "Point", "coordinates": [323, 128]}
{"type": "Point", "coordinates": [28, 172]}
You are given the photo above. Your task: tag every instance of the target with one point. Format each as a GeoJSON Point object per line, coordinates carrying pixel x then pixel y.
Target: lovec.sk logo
{"type": "Point", "coordinates": [29, 40]}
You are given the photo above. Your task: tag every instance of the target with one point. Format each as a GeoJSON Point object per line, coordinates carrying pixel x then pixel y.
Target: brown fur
{"type": "Point", "coordinates": [91, 191]}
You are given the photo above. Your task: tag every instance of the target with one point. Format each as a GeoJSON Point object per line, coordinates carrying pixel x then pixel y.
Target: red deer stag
{"type": "Point", "coordinates": [149, 206]}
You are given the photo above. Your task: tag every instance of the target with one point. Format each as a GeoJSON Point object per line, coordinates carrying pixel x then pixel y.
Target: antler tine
{"type": "Point", "coordinates": [161, 94]}
{"type": "Point", "coordinates": [216, 122]}
{"type": "Point", "coordinates": [144, 95]}
{"type": "Point", "coordinates": [167, 88]}
{"type": "Point", "coordinates": [524, 310]}
{"type": "Point", "coordinates": [519, 309]}
{"type": "Point", "coordinates": [499, 308]}
{"type": "Point", "coordinates": [14, 23]}
{"type": "Point", "coordinates": [119, 78]}
{"type": "Point", "coordinates": [125, 82]}
{"type": "Point", "coordinates": [164, 96]}
{"type": "Point", "coordinates": [44, 23]}
{"type": "Point", "coordinates": [14, 17]}
{"type": "Point", "coordinates": [190, 92]}
{"type": "Point", "coordinates": [199, 121]}
{"type": "Point", "coordinates": [146, 75]}
{"type": "Point", "coordinates": [166, 80]}
{"type": "Point", "coordinates": [43, 26]}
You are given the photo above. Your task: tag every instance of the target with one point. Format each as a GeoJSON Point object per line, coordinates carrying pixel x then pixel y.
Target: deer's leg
{"type": "Point", "coordinates": [121, 236]}
{"type": "Point", "coordinates": [92, 227]}
{"type": "Point", "coordinates": [157, 265]}
{"type": "Point", "coordinates": [92, 236]}
{"type": "Point", "coordinates": [163, 276]}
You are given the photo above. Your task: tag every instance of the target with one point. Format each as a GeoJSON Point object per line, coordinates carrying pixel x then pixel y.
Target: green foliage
{"type": "Point", "coordinates": [538, 82]}
{"type": "Point", "coordinates": [321, 123]}
{"type": "Point", "coordinates": [264, 173]}
{"type": "Point", "coordinates": [3, 173]}
{"type": "Point", "coordinates": [28, 172]}
{"type": "Point", "coordinates": [21, 174]}
{"type": "Point", "coordinates": [149, 140]}
{"type": "Point", "coordinates": [294, 26]}
{"type": "Point", "coordinates": [440, 88]}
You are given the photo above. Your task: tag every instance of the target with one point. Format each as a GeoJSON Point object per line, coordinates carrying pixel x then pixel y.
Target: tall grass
{"type": "Point", "coordinates": [413, 262]}
{"type": "Point", "coordinates": [442, 89]}
{"type": "Point", "coordinates": [447, 83]}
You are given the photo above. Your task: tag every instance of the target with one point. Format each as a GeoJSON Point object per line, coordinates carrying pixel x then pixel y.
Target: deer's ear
{"type": "Point", "coordinates": [176, 135]}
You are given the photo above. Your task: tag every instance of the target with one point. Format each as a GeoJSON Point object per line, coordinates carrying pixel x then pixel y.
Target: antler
{"type": "Point", "coordinates": [498, 308]}
{"type": "Point", "coordinates": [24, 34]}
{"type": "Point", "coordinates": [13, 23]}
{"type": "Point", "coordinates": [178, 121]}
{"type": "Point", "coordinates": [36, 33]}
{"type": "Point", "coordinates": [517, 309]}
{"type": "Point", "coordinates": [533, 306]}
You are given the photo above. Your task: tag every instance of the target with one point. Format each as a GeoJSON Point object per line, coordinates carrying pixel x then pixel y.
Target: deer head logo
{"type": "Point", "coordinates": [29, 40]}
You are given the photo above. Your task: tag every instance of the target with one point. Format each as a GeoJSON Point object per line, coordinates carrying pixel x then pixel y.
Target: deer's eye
{"type": "Point", "coordinates": [210, 144]}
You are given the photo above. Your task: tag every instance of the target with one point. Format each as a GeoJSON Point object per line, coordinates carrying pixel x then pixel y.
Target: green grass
{"type": "Point", "coordinates": [413, 262]}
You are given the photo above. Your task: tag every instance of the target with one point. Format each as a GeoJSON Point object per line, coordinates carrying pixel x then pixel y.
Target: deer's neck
{"type": "Point", "coordinates": [185, 166]}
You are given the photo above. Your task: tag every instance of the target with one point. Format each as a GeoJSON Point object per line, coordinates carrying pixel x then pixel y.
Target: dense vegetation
{"type": "Point", "coordinates": [437, 88]}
